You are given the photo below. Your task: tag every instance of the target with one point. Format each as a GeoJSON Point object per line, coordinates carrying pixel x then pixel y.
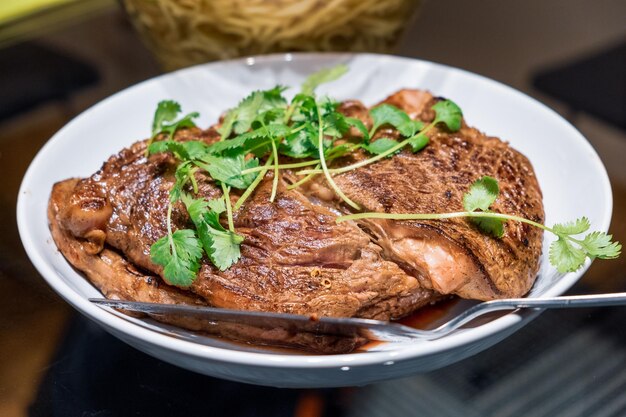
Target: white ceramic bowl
{"type": "Point", "coordinates": [572, 177]}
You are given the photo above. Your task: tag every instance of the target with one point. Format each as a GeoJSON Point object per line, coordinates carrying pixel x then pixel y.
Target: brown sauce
{"type": "Point", "coordinates": [434, 315]}
{"type": "Point", "coordinates": [428, 317]}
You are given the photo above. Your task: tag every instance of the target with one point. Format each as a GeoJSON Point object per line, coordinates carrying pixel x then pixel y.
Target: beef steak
{"type": "Point", "coordinates": [295, 257]}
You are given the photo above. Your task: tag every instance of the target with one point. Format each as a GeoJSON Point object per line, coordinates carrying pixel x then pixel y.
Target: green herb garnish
{"type": "Point", "coordinates": [446, 112]}
{"type": "Point", "coordinates": [323, 76]}
{"type": "Point", "coordinates": [265, 126]}
{"type": "Point", "coordinates": [386, 114]}
{"type": "Point", "coordinates": [221, 245]}
{"type": "Point", "coordinates": [179, 253]}
{"type": "Point", "coordinates": [240, 119]}
{"type": "Point", "coordinates": [567, 253]}
{"type": "Point", "coordinates": [163, 122]}
{"type": "Point", "coordinates": [481, 195]}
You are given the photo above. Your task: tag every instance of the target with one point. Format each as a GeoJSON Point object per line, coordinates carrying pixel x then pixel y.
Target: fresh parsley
{"type": "Point", "coordinates": [179, 254]}
{"type": "Point", "coordinates": [380, 146]}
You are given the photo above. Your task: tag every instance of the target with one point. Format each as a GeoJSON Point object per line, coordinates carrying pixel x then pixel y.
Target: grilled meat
{"type": "Point", "coordinates": [295, 257]}
{"type": "Point", "coordinates": [452, 256]}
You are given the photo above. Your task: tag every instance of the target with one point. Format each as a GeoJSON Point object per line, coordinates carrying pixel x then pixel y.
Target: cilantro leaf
{"type": "Point", "coordinates": [335, 124]}
{"type": "Point", "coordinates": [493, 227]}
{"type": "Point", "coordinates": [599, 245]}
{"type": "Point", "coordinates": [323, 76]}
{"type": "Point", "coordinates": [410, 128]}
{"type": "Point", "coordinates": [418, 142]}
{"type": "Point", "coordinates": [300, 144]}
{"type": "Point", "coordinates": [566, 257]}
{"type": "Point", "coordinates": [227, 169]}
{"type": "Point", "coordinates": [239, 119]}
{"type": "Point", "coordinates": [572, 228]}
{"type": "Point", "coordinates": [186, 121]}
{"type": "Point", "coordinates": [183, 175]}
{"type": "Point", "coordinates": [354, 122]}
{"type": "Point", "coordinates": [386, 114]}
{"type": "Point", "coordinates": [179, 254]}
{"type": "Point", "coordinates": [217, 205]}
{"type": "Point", "coordinates": [380, 145]}
{"type": "Point", "coordinates": [249, 140]}
{"type": "Point", "coordinates": [448, 113]}
{"type": "Point", "coordinates": [221, 245]}
{"type": "Point", "coordinates": [482, 194]}
{"type": "Point", "coordinates": [568, 254]}
{"type": "Point", "coordinates": [166, 111]}
{"type": "Point", "coordinates": [184, 151]}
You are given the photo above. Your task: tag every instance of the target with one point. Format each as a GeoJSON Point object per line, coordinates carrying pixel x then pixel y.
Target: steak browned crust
{"type": "Point", "coordinates": [434, 181]}
{"type": "Point", "coordinates": [295, 257]}
{"type": "Point", "coordinates": [117, 278]}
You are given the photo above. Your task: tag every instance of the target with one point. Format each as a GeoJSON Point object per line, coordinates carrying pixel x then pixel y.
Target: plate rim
{"type": "Point", "coordinates": [273, 360]}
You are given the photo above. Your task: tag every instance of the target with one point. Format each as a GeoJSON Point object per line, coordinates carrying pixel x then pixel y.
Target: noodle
{"type": "Point", "coordinates": [186, 32]}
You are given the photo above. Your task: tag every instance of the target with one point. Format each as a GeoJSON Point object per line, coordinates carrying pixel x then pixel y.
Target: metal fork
{"type": "Point", "coordinates": [351, 327]}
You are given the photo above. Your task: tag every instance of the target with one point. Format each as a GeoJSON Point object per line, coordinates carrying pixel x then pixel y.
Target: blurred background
{"type": "Point", "coordinates": [58, 57]}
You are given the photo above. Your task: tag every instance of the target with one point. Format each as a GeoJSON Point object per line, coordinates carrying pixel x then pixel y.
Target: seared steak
{"type": "Point", "coordinates": [452, 256]}
{"type": "Point", "coordinates": [117, 278]}
{"type": "Point", "coordinates": [295, 257]}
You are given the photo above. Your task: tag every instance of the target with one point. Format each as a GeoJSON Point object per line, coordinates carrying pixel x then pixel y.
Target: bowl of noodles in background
{"type": "Point", "coordinates": [187, 32]}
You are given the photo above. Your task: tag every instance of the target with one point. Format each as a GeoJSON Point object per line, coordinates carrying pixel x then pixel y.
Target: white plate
{"type": "Point", "coordinates": [564, 161]}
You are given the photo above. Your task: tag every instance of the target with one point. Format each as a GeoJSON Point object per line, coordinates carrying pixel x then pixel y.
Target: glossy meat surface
{"type": "Point", "coordinates": [295, 257]}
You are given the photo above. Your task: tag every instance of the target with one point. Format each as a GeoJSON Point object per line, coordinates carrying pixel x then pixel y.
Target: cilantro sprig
{"type": "Point", "coordinates": [567, 253]}
{"type": "Point", "coordinates": [446, 113]}
{"type": "Point", "coordinates": [220, 245]}
{"type": "Point", "coordinates": [179, 253]}
{"type": "Point", "coordinates": [239, 120]}
{"type": "Point", "coordinates": [265, 126]}
{"type": "Point", "coordinates": [163, 121]}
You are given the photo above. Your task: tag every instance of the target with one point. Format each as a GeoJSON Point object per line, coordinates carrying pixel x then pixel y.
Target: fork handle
{"type": "Point", "coordinates": [569, 301]}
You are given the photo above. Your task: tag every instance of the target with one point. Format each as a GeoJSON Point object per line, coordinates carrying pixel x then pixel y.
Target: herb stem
{"type": "Point", "coordinates": [170, 238]}
{"type": "Point", "coordinates": [283, 166]}
{"type": "Point", "coordinates": [229, 208]}
{"type": "Point", "coordinates": [254, 184]}
{"type": "Point", "coordinates": [192, 178]}
{"type": "Point", "coordinates": [275, 180]}
{"type": "Point", "coordinates": [147, 153]}
{"type": "Point", "coordinates": [260, 145]}
{"type": "Point", "coordinates": [297, 129]}
{"type": "Point", "coordinates": [374, 158]}
{"type": "Point", "coordinates": [439, 216]}
{"type": "Point", "coordinates": [289, 112]}
{"type": "Point", "coordinates": [303, 180]}
{"type": "Point", "coordinates": [320, 145]}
